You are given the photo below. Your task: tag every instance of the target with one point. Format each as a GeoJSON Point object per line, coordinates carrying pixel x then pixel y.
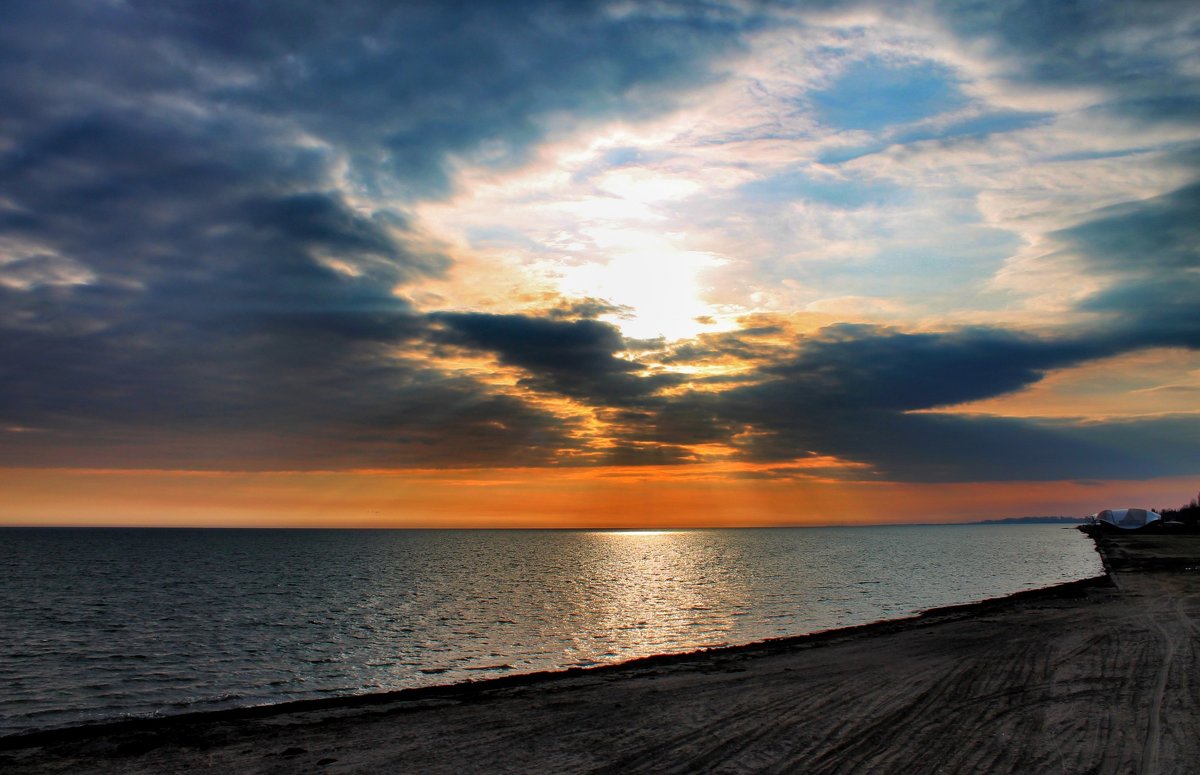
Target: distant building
{"type": "Point", "coordinates": [1125, 519]}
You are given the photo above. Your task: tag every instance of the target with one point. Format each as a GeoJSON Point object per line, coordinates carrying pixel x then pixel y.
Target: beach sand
{"type": "Point", "coordinates": [1101, 676]}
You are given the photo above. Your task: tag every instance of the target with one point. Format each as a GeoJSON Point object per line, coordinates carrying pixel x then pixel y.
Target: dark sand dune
{"type": "Point", "coordinates": [1094, 677]}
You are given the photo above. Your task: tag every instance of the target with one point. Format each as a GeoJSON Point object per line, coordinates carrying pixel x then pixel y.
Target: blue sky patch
{"type": "Point", "coordinates": [796, 186]}
{"type": "Point", "coordinates": [872, 95]}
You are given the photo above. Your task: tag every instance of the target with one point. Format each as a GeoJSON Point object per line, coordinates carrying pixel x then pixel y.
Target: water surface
{"type": "Point", "coordinates": [101, 623]}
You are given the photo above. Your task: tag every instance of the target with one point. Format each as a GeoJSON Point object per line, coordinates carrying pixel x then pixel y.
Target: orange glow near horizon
{"type": "Point", "coordinates": [521, 498]}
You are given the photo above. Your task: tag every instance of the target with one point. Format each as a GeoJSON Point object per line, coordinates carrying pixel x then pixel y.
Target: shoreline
{"type": "Point", "coordinates": [1100, 675]}
{"type": "Point", "coordinates": [470, 688]}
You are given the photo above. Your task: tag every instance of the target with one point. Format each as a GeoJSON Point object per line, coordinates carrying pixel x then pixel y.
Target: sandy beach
{"type": "Point", "coordinates": [1099, 676]}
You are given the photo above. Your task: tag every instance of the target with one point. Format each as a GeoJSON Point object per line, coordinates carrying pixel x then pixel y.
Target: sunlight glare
{"type": "Point", "coordinates": [661, 284]}
{"type": "Point", "coordinates": [638, 533]}
{"type": "Point", "coordinates": [645, 187]}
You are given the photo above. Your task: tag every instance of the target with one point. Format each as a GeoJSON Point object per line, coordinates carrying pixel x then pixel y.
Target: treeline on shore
{"type": "Point", "coordinates": [1188, 514]}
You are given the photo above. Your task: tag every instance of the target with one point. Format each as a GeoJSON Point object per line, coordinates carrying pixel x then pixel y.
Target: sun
{"type": "Point", "coordinates": [661, 286]}
{"type": "Point", "coordinates": [555, 229]}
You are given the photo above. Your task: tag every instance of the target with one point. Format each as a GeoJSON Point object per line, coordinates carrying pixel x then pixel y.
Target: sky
{"type": "Point", "coordinates": [553, 264]}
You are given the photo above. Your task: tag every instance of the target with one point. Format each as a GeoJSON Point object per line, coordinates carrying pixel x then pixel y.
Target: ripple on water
{"type": "Point", "coordinates": [170, 620]}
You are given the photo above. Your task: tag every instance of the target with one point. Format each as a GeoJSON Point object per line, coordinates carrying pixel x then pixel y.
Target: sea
{"type": "Point", "coordinates": [102, 624]}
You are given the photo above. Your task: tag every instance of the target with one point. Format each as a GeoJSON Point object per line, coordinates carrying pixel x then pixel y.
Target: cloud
{"type": "Point", "coordinates": [391, 418]}
{"type": "Point", "coordinates": [852, 391]}
{"type": "Point", "coordinates": [1148, 254]}
{"type": "Point", "coordinates": [406, 88]}
{"type": "Point", "coordinates": [209, 232]}
{"type": "Point", "coordinates": [951, 448]}
{"type": "Point", "coordinates": [857, 392]}
{"type": "Point", "coordinates": [1155, 235]}
{"type": "Point", "coordinates": [221, 295]}
{"type": "Point", "coordinates": [205, 241]}
{"type": "Point", "coordinates": [893, 370]}
{"type": "Point", "coordinates": [575, 358]}
{"type": "Point", "coordinates": [641, 454]}
{"type": "Point", "coordinates": [1141, 55]}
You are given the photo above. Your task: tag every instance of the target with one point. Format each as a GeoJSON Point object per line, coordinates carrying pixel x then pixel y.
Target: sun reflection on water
{"type": "Point", "coordinates": [648, 590]}
{"type": "Point", "coordinates": [636, 533]}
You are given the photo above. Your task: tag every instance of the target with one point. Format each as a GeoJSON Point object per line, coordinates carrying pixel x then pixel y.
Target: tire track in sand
{"type": "Point", "coordinates": [1150, 751]}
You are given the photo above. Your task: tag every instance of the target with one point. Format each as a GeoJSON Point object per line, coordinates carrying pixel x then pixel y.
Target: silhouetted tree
{"type": "Point", "coordinates": [1188, 514]}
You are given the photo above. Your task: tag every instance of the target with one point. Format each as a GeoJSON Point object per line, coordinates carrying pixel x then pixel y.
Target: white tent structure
{"type": "Point", "coordinates": [1126, 519]}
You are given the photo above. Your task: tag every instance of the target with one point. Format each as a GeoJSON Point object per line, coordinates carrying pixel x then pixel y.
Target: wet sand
{"type": "Point", "coordinates": [1100, 676]}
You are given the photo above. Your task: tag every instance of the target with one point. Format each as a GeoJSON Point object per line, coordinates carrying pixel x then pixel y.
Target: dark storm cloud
{"type": "Point", "coordinates": [210, 305]}
{"type": "Point", "coordinates": [1149, 252]}
{"type": "Point", "coordinates": [646, 454]}
{"type": "Point", "coordinates": [217, 213]}
{"type": "Point", "coordinates": [895, 371]}
{"type": "Point", "coordinates": [855, 392]}
{"type": "Point", "coordinates": [1137, 52]}
{"type": "Point", "coordinates": [846, 391]}
{"type": "Point", "coordinates": [192, 273]}
{"type": "Point", "coordinates": [397, 417]}
{"type": "Point", "coordinates": [579, 359]}
{"type": "Point", "coordinates": [952, 448]}
{"type": "Point", "coordinates": [576, 358]}
{"type": "Point", "coordinates": [1149, 236]}
{"type": "Point", "coordinates": [398, 87]}
{"type": "Point", "coordinates": [677, 421]}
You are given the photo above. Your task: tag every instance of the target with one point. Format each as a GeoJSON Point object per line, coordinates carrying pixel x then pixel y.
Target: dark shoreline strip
{"type": "Point", "coordinates": [476, 689]}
